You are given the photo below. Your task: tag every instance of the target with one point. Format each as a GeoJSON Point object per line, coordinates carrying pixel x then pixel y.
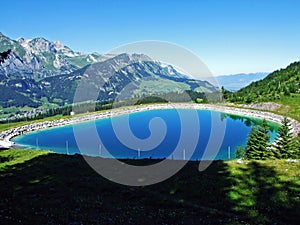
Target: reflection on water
{"type": "Point", "coordinates": [250, 121]}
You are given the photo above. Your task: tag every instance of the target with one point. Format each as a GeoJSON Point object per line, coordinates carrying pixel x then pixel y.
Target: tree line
{"type": "Point", "coordinates": [92, 106]}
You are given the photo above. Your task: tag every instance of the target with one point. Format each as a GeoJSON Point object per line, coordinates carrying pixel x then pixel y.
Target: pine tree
{"type": "Point", "coordinates": [264, 139]}
{"type": "Point", "coordinates": [257, 143]}
{"type": "Point", "coordinates": [284, 145]}
{"type": "Point", "coordinates": [251, 147]}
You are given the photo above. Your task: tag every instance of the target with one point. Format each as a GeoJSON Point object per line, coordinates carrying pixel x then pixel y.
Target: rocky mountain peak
{"type": "Point", "coordinates": [43, 58]}
{"type": "Point", "coordinates": [58, 45]}
{"type": "Point", "coordinates": [39, 45]}
{"type": "Point", "coordinates": [140, 57]}
{"type": "Point", "coordinates": [131, 58]}
{"type": "Point", "coordinates": [21, 40]}
{"type": "Point", "coordinates": [3, 37]}
{"type": "Point", "coordinates": [11, 63]}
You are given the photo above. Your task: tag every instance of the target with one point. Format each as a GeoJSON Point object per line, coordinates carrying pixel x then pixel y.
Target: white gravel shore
{"type": "Point", "coordinates": [9, 134]}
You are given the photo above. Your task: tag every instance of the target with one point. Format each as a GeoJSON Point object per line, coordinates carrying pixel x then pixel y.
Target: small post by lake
{"type": "Point", "coordinates": [229, 152]}
{"type": "Point", "coordinates": [139, 153]}
{"type": "Point", "coordinates": [37, 142]}
{"type": "Point", "coordinates": [183, 154]}
{"type": "Point", "coordinates": [100, 149]}
{"type": "Point", "coordinates": [67, 147]}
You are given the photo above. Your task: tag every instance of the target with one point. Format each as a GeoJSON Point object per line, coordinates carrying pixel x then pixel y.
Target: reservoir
{"type": "Point", "coordinates": [196, 134]}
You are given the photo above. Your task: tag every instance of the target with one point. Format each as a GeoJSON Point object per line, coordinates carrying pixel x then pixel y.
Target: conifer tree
{"type": "Point", "coordinates": [251, 147]}
{"type": "Point", "coordinates": [264, 139]}
{"type": "Point", "coordinates": [257, 143]}
{"type": "Point", "coordinates": [284, 145]}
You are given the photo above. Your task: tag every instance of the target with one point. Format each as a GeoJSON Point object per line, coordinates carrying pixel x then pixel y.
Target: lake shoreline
{"type": "Point", "coordinates": [11, 133]}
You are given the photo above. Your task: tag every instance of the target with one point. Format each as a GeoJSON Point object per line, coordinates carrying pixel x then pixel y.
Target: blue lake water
{"type": "Point", "coordinates": [99, 138]}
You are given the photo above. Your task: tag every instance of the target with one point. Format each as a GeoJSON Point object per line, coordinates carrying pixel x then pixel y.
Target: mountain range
{"type": "Point", "coordinates": [38, 58]}
{"type": "Point", "coordinates": [237, 81]}
{"type": "Point", "coordinates": [38, 72]}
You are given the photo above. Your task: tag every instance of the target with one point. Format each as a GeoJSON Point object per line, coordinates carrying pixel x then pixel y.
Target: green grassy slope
{"type": "Point", "coordinates": [290, 106]}
{"type": "Point", "coordinates": [276, 85]}
{"type": "Point", "coordinates": [37, 187]}
{"type": "Point", "coordinates": [281, 86]}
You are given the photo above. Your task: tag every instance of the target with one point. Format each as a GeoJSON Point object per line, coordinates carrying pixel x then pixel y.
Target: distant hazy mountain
{"type": "Point", "coordinates": [39, 57]}
{"type": "Point", "coordinates": [237, 81]}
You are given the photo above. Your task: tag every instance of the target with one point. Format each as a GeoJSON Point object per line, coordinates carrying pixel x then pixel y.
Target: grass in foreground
{"type": "Point", "coordinates": [37, 187]}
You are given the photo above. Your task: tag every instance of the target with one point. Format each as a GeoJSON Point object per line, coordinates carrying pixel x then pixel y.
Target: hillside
{"type": "Point", "coordinates": [39, 57]}
{"type": "Point", "coordinates": [108, 78]}
{"type": "Point", "coordinates": [281, 86]}
{"type": "Point", "coordinates": [40, 73]}
{"type": "Point", "coordinates": [284, 82]}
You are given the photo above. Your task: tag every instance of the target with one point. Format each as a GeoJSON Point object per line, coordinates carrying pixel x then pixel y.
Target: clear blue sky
{"type": "Point", "coordinates": [230, 36]}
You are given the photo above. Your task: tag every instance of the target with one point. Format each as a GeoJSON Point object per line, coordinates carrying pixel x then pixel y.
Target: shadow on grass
{"type": "Point", "coordinates": [4, 159]}
{"type": "Point", "coordinates": [60, 189]}
{"type": "Point", "coordinates": [263, 195]}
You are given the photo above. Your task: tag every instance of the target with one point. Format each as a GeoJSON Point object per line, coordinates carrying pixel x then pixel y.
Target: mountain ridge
{"type": "Point", "coordinates": [107, 78]}
{"type": "Point", "coordinates": [42, 58]}
{"type": "Point", "coordinates": [235, 82]}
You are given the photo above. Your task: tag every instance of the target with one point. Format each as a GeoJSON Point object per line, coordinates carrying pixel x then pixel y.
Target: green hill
{"type": "Point", "coordinates": [281, 86]}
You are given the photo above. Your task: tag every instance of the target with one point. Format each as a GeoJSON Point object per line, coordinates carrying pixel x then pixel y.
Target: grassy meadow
{"type": "Point", "coordinates": [290, 106]}
{"type": "Point", "coordinates": [38, 187]}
